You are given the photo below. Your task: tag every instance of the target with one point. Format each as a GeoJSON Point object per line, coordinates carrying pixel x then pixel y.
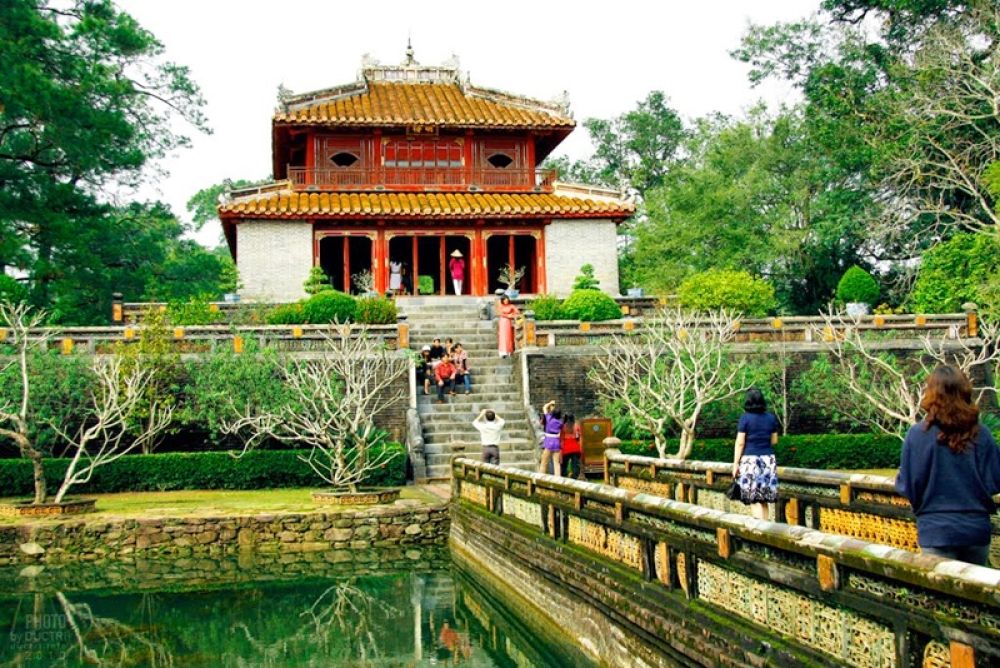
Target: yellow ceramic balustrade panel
{"type": "Point", "coordinates": [473, 492]}
{"type": "Point", "coordinates": [663, 489]}
{"type": "Point", "coordinates": [526, 511]}
{"type": "Point", "coordinates": [872, 528]}
{"type": "Point", "coordinates": [611, 543]}
{"type": "Point", "coordinates": [846, 636]}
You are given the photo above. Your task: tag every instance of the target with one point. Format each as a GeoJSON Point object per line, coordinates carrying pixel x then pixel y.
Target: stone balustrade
{"type": "Point", "coordinates": [860, 506]}
{"type": "Point", "coordinates": [666, 580]}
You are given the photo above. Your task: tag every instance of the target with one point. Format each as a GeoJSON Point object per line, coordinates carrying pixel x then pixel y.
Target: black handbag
{"type": "Point", "coordinates": [733, 493]}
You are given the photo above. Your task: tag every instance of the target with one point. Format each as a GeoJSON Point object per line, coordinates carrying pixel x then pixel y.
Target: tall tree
{"type": "Point", "coordinates": [87, 101]}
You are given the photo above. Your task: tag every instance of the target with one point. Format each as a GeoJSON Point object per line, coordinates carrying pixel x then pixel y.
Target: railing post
{"type": "Point", "coordinates": [529, 329]}
{"type": "Point", "coordinates": [610, 443]}
{"type": "Point", "coordinates": [403, 333]}
{"type": "Point", "coordinates": [971, 319]}
{"type": "Point", "coordinates": [117, 308]}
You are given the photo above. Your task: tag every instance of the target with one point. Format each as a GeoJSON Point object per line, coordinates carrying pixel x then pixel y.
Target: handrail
{"type": "Point", "coordinates": [728, 561]}
{"type": "Point", "coordinates": [442, 177]}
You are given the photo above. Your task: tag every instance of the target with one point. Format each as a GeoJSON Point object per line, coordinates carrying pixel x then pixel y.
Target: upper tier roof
{"type": "Point", "coordinates": [412, 94]}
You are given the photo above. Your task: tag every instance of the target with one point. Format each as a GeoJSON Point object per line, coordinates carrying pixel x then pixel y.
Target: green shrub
{"type": "Point", "coordinates": [194, 311]}
{"type": "Point", "coordinates": [546, 307]}
{"type": "Point", "coordinates": [590, 306]}
{"type": "Point", "coordinates": [11, 290]}
{"type": "Point", "coordinates": [857, 286]}
{"type": "Point", "coordinates": [287, 314]}
{"type": "Point", "coordinates": [329, 306]}
{"type": "Point", "coordinates": [317, 281]}
{"type": "Point", "coordinates": [425, 285]}
{"type": "Point", "coordinates": [955, 272]}
{"type": "Point", "coordinates": [376, 311]}
{"type": "Point", "coordinates": [809, 451]}
{"type": "Point", "coordinates": [258, 469]}
{"type": "Point", "coordinates": [586, 280]}
{"type": "Point", "coordinates": [721, 289]}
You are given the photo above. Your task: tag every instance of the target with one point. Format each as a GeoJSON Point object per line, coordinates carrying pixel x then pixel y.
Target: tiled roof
{"type": "Point", "coordinates": [291, 204]}
{"type": "Point", "coordinates": [380, 103]}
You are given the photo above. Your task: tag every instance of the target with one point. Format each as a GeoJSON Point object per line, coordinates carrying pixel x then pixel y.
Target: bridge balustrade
{"type": "Point", "coordinates": [819, 598]}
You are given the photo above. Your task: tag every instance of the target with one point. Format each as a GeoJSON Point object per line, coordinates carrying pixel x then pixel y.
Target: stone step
{"type": "Point", "coordinates": [459, 414]}
{"type": "Point", "coordinates": [444, 461]}
{"type": "Point", "coordinates": [447, 437]}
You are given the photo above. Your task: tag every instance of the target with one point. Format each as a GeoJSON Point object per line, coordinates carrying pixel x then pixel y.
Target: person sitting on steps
{"type": "Point", "coordinates": [461, 360]}
{"type": "Point", "coordinates": [445, 374]}
{"type": "Point", "coordinates": [437, 352]}
{"type": "Point", "coordinates": [424, 369]}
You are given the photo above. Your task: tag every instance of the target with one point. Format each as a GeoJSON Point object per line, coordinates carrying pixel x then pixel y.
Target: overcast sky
{"type": "Point", "coordinates": [606, 55]}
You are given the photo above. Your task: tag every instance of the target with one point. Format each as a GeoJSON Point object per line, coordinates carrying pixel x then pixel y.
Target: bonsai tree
{"type": "Point", "coordinates": [510, 276]}
{"type": "Point", "coordinates": [586, 280]}
{"type": "Point", "coordinates": [118, 415]}
{"type": "Point", "coordinates": [333, 401]}
{"type": "Point", "coordinates": [364, 282]}
{"type": "Point", "coordinates": [317, 281]}
{"type": "Point", "coordinates": [857, 286]}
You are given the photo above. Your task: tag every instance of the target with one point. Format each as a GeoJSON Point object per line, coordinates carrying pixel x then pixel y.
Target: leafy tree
{"type": "Point", "coordinates": [736, 291]}
{"type": "Point", "coordinates": [88, 102]}
{"type": "Point", "coordinates": [955, 272]}
{"type": "Point", "coordinates": [203, 205]}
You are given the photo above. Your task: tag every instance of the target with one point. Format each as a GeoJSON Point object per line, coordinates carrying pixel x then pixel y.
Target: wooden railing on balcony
{"type": "Point", "coordinates": [444, 178]}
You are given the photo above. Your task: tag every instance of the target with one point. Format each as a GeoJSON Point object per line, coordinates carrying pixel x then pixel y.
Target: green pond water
{"type": "Point", "coordinates": [367, 609]}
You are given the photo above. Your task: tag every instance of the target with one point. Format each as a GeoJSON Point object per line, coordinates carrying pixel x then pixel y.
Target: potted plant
{"type": "Point", "coordinates": [858, 290]}
{"type": "Point", "coordinates": [635, 292]}
{"type": "Point", "coordinates": [511, 277]}
{"type": "Point", "coordinates": [364, 283]}
{"type": "Point", "coordinates": [425, 285]}
{"type": "Point", "coordinates": [344, 445]}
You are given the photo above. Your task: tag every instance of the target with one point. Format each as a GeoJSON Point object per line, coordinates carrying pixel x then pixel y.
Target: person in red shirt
{"type": "Point", "coordinates": [570, 448]}
{"type": "Point", "coordinates": [445, 373]}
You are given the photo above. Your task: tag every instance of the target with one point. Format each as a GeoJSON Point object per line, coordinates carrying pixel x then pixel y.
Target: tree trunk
{"type": "Point", "coordinates": [39, 475]}
{"type": "Point", "coordinates": [687, 441]}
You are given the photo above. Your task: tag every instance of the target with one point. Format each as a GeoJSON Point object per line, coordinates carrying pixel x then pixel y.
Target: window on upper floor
{"type": "Point", "coordinates": [500, 160]}
{"type": "Point", "coordinates": [344, 159]}
{"type": "Point", "coordinates": [422, 153]}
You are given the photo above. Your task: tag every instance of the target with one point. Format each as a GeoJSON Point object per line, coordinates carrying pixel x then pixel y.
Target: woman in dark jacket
{"type": "Point", "coordinates": [950, 470]}
{"type": "Point", "coordinates": [754, 466]}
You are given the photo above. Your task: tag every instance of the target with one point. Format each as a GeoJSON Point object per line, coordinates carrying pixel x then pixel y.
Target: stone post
{"type": "Point", "coordinates": [971, 319]}
{"type": "Point", "coordinates": [529, 329]}
{"type": "Point", "coordinates": [117, 308]}
{"type": "Point", "coordinates": [403, 332]}
{"type": "Point", "coordinates": [610, 443]}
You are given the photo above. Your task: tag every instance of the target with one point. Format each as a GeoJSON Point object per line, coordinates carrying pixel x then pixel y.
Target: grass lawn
{"type": "Point", "coordinates": [195, 503]}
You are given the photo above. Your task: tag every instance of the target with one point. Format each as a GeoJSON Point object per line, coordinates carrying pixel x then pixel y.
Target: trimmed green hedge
{"type": "Point", "coordinates": [258, 469]}
{"type": "Point", "coordinates": [808, 451]}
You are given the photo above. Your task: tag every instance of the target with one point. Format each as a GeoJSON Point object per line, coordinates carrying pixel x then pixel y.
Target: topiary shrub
{"type": "Point", "coordinates": [317, 281]}
{"type": "Point", "coordinates": [547, 307]}
{"type": "Point", "coordinates": [857, 286]}
{"type": "Point", "coordinates": [329, 306]}
{"type": "Point", "coordinates": [425, 285]}
{"type": "Point", "coordinates": [722, 289]}
{"type": "Point", "coordinates": [287, 314]}
{"type": "Point", "coordinates": [590, 306]}
{"type": "Point", "coordinates": [586, 280]}
{"type": "Point", "coordinates": [194, 311]}
{"type": "Point", "coordinates": [375, 311]}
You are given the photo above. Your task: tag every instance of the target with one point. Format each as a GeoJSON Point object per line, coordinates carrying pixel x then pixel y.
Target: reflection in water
{"type": "Point", "coordinates": [375, 616]}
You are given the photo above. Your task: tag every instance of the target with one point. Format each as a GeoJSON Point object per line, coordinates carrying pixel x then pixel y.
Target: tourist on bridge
{"type": "Point", "coordinates": [571, 450]}
{"type": "Point", "coordinates": [950, 470]}
{"type": "Point", "coordinates": [552, 422]}
{"type": "Point", "coordinates": [490, 426]}
{"type": "Point", "coordinates": [456, 266]}
{"type": "Point", "coordinates": [461, 360]}
{"type": "Point", "coordinates": [505, 331]}
{"type": "Point", "coordinates": [445, 374]}
{"type": "Point", "coordinates": [754, 466]}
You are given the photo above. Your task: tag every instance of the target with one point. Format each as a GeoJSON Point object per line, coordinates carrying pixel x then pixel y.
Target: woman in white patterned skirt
{"type": "Point", "coordinates": [395, 277]}
{"type": "Point", "coordinates": [754, 466]}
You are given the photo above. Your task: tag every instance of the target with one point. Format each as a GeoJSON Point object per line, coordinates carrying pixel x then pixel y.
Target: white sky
{"type": "Point", "coordinates": [607, 55]}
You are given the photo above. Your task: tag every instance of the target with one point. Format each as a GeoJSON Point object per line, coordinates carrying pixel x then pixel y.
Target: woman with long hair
{"type": "Point", "coordinates": [505, 330]}
{"type": "Point", "coordinates": [754, 467]}
{"type": "Point", "coordinates": [950, 470]}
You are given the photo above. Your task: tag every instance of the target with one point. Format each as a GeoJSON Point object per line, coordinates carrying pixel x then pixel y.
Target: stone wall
{"type": "Point", "coordinates": [570, 244]}
{"type": "Point", "coordinates": [90, 539]}
{"type": "Point", "coordinates": [274, 259]}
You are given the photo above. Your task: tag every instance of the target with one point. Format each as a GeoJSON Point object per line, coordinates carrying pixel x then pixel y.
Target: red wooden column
{"type": "Point", "coordinates": [310, 157]}
{"type": "Point", "coordinates": [347, 263]}
{"type": "Point", "coordinates": [380, 260]}
{"type": "Point", "coordinates": [540, 277]}
{"type": "Point", "coordinates": [467, 157]}
{"type": "Point", "coordinates": [444, 268]}
{"type": "Point", "coordinates": [415, 267]}
{"type": "Point", "coordinates": [478, 261]}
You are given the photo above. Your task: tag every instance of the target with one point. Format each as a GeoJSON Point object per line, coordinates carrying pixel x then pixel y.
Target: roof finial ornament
{"type": "Point", "coordinates": [409, 52]}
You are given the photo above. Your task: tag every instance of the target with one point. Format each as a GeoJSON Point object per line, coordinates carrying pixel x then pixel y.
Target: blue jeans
{"type": "Point", "coordinates": [466, 380]}
{"type": "Point", "coordinates": [972, 554]}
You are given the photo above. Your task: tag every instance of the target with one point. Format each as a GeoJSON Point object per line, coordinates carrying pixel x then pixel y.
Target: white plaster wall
{"type": "Point", "coordinates": [274, 259]}
{"type": "Point", "coordinates": [570, 244]}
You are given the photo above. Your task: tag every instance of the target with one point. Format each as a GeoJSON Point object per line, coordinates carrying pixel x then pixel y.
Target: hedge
{"type": "Point", "coordinates": [258, 469]}
{"type": "Point", "coordinates": [809, 451]}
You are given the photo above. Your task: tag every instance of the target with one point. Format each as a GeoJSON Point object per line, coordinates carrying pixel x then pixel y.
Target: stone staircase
{"type": "Point", "coordinates": [447, 428]}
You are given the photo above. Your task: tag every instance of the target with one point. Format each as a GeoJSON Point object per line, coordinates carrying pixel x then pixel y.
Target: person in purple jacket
{"type": "Point", "coordinates": [552, 424]}
{"type": "Point", "coordinates": [950, 470]}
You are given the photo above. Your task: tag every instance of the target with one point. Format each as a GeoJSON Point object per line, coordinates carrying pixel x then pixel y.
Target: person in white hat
{"type": "Point", "coordinates": [456, 266]}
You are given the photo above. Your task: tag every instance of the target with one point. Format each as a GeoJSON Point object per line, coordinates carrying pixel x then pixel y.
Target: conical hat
{"type": "Point", "coordinates": [456, 253]}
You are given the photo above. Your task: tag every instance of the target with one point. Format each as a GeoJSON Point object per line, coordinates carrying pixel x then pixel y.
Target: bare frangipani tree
{"type": "Point", "coordinates": [678, 365]}
{"type": "Point", "coordinates": [106, 434]}
{"type": "Point", "coordinates": [334, 399]}
{"type": "Point", "coordinates": [884, 393]}
{"type": "Point", "coordinates": [17, 322]}
{"type": "Point", "coordinates": [107, 641]}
